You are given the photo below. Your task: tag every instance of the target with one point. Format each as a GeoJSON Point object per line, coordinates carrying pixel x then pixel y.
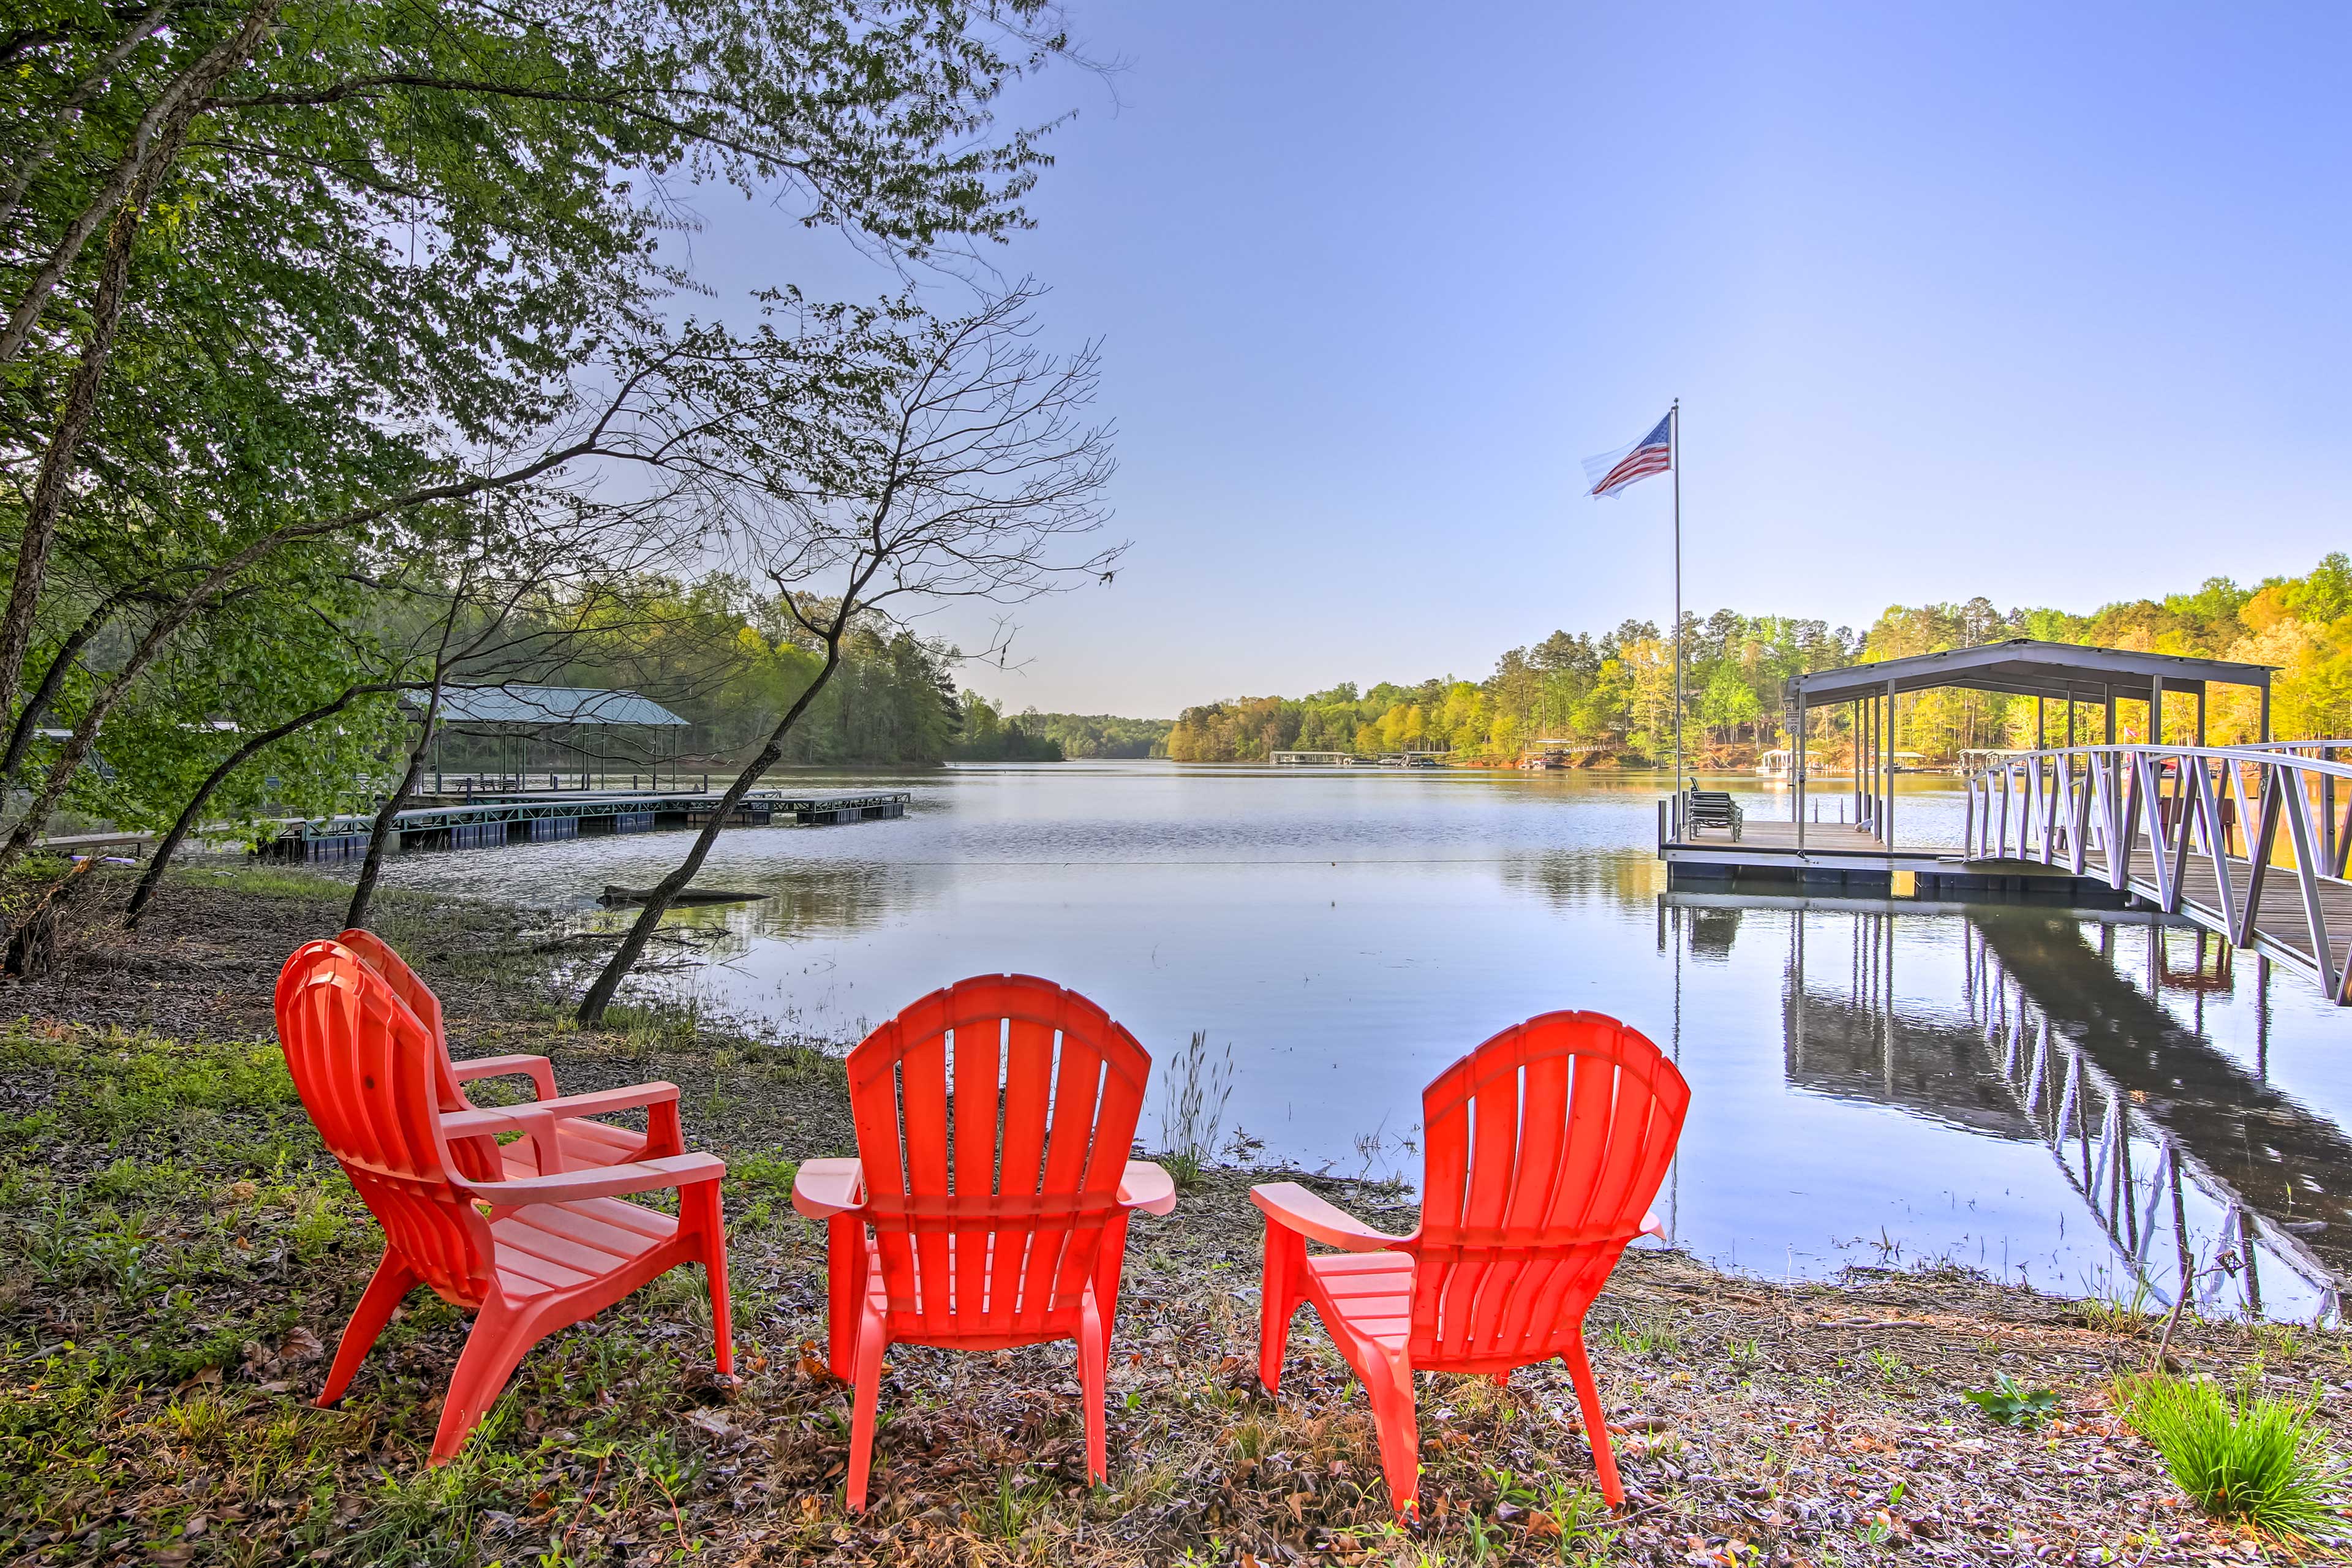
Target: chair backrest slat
{"type": "Point", "coordinates": [994, 1118]}
{"type": "Point", "coordinates": [1543, 1147]}
{"type": "Point", "coordinates": [476, 1159]}
{"type": "Point", "coordinates": [367, 1071]}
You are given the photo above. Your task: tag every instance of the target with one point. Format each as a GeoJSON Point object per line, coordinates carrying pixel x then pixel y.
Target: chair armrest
{"type": "Point", "coordinates": [602, 1182]}
{"type": "Point", "coordinates": [563, 1107]}
{"type": "Point", "coordinates": [1147, 1187]}
{"type": "Point", "coordinates": [1293, 1208]}
{"type": "Point", "coordinates": [822, 1188]}
{"type": "Point", "coordinates": [1652, 1226]}
{"type": "Point", "coordinates": [539, 1069]}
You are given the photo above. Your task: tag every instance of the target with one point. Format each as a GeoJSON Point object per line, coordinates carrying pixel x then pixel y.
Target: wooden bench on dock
{"type": "Point", "coordinates": [1710, 809]}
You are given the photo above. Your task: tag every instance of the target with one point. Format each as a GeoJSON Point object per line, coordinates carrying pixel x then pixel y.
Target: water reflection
{"type": "Point", "coordinates": [2275, 1171]}
{"type": "Point", "coordinates": [1846, 1034]}
{"type": "Point", "coordinates": [2084, 1033]}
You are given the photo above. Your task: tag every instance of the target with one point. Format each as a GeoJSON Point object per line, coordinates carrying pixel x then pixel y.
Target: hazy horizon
{"type": "Point", "coordinates": [2038, 305]}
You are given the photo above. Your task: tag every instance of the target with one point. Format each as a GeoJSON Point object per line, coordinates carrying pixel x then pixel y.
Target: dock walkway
{"type": "Point", "coordinates": [489, 821]}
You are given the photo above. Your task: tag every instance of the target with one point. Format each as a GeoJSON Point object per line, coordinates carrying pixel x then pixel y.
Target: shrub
{"type": "Point", "coordinates": [2247, 1456]}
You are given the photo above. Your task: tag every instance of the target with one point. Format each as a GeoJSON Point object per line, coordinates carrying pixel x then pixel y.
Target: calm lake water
{"type": "Point", "coordinates": [2068, 1099]}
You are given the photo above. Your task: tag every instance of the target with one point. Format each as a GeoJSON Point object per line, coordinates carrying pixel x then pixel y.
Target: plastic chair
{"type": "Point", "coordinates": [1543, 1148]}
{"type": "Point", "coordinates": [992, 1217]}
{"type": "Point", "coordinates": [584, 1141]}
{"type": "Point", "coordinates": [527, 1254]}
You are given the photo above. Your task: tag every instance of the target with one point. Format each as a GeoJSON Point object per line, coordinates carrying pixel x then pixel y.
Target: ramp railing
{"type": "Point", "coordinates": [2199, 831]}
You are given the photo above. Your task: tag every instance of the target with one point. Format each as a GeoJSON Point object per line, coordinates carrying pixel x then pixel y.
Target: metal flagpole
{"type": "Point", "coordinates": [1674, 459]}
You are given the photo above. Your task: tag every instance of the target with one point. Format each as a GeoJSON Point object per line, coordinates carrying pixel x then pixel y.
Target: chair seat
{"type": "Point", "coordinates": [586, 1143]}
{"type": "Point", "coordinates": [1368, 1294]}
{"type": "Point", "coordinates": [1044, 1328]}
{"type": "Point", "coordinates": [550, 1247]}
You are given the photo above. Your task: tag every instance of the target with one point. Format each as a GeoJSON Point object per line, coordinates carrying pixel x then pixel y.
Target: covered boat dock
{"type": "Point", "coordinates": [2076, 689]}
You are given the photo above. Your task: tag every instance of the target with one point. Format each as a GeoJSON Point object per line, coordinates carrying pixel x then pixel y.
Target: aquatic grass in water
{"type": "Point", "coordinates": [2249, 1458]}
{"type": "Point", "coordinates": [1193, 1111]}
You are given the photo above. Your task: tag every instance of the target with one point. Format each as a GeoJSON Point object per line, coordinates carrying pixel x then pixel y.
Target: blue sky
{"type": "Point", "coordinates": [2046, 304]}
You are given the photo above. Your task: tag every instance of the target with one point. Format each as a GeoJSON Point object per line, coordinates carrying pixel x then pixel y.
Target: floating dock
{"type": "Point", "coordinates": [530, 817]}
{"type": "Point", "coordinates": [1838, 856]}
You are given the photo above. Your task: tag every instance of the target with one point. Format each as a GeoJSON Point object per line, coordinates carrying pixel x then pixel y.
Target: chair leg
{"type": "Point", "coordinates": [866, 1389]}
{"type": "Point", "coordinates": [1280, 1289]}
{"type": "Point", "coordinates": [385, 1290]}
{"type": "Point", "coordinates": [700, 1203]}
{"type": "Point", "coordinates": [1109, 1258]}
{"type": "Point", "coordinates": [1596, 1425]}
{"type": "Point", "coordinates": [846, 1263]}
{"type": "Point", "coordinates": [1093, 1358]}
{"type": "Point", "coordinates": [501, 1336]}
{"type": "Point", "coordinates": [1391, 1387]}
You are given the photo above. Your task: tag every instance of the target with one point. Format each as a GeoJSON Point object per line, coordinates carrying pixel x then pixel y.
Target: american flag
{"type": "Point", "coordinates": [1653, 454]}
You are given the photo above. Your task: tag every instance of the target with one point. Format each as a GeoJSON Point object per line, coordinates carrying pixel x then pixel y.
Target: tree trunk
{"type": "Point", "coordinates": [393, 804]}
{"type": "Point", "coordinates": [152, 877]}
{"type": "Point", "coordinates": [69, 651]}
{"type": "Point", "coordinates": [633, 946]}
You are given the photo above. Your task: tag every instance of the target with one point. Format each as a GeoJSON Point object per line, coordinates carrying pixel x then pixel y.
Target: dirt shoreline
{"type": "Point", "coordinates": [176, 1256]}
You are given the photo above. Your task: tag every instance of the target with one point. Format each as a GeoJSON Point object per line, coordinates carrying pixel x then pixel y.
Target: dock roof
{"type": "Point", "coordinates": [547, 705]}
{"type": "Point", "coordinates": [2024, 667]}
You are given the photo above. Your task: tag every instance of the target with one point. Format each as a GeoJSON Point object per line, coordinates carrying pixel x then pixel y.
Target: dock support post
{"type": "Point", "coordinates": [1797, 789]}
{"type": "Point", "coordinates": [1887, 823]}
{"type": "Point", "coordinates": [1866, 773]}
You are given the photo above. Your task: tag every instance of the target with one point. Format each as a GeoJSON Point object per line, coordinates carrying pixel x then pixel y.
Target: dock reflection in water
{"type": "Point", "coordinates": [2199, 1175]}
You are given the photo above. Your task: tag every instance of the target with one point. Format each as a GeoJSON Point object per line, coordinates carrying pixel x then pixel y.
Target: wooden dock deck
{"type": "Point", "coordinates": [536, 818]}
{"type": "Point", "coordinates": [1835, 853]}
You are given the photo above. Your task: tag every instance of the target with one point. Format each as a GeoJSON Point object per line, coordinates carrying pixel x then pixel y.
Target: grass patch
{"type": "Point", "coordinates": [2247, 1456]}
{"type": "Point", "coordinates": [1196, 1088]}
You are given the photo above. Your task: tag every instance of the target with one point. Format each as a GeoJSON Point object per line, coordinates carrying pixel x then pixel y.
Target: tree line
{"type": "Point", "coordinates": [1610, 700]}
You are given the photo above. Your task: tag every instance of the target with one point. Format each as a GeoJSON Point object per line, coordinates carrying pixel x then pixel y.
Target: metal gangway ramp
{"type": "Point", "coordinates": [2250, 842]}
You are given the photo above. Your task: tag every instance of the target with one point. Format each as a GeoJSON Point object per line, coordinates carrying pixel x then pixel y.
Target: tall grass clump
{"type": "Point", "coordinates": [1192, 1108]}
{"type": "Point", "coordinates": [2246, 1456]}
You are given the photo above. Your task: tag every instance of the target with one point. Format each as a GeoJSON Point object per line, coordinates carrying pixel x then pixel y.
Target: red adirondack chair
{"type": "Point", "coordinates": [994, 1219]}
{"type": "Point", "coordinates": [1543, 1148]}
{"type": "Point", "coordinates": [527, 1254]}
{"type": "Point", "coordinates": [585, 1141]}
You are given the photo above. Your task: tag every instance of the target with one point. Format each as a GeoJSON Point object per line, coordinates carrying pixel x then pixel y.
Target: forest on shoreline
{"type": "Point", "coordinates": [1608, 700]}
